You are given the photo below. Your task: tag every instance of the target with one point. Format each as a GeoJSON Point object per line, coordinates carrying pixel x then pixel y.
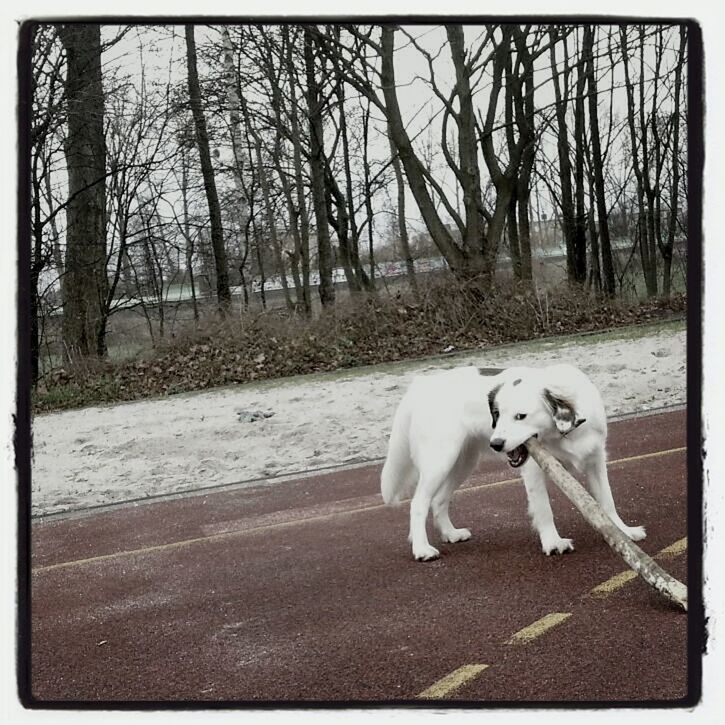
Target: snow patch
{"type": "Point", "coordinates": [105, 455]}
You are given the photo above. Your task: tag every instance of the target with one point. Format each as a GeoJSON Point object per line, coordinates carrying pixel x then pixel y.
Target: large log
{"type": "Point", "coordinates": [638, 560]}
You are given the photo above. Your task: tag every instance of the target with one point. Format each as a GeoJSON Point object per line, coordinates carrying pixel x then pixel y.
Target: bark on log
{"type": "Point", "coordinates": [638, 560]}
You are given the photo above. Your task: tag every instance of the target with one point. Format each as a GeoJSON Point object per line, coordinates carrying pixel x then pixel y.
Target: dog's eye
{"type": "Point", "coordinates": [520, 416]}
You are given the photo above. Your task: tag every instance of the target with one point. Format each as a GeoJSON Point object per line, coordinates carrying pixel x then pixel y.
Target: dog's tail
{"type": "Point", "coordinates": [398, 472]}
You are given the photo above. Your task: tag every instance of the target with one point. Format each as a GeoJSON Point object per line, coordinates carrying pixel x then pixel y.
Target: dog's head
{"type": "Point", "coordinates": [521, 409]}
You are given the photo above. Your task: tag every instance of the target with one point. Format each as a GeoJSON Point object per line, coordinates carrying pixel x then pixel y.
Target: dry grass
{"type": "Point", "coordinates": [356, 332]}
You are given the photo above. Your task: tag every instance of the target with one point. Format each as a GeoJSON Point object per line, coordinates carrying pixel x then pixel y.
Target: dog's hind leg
{"type": "Point", "coordinates": [435, 469]}
{"type": "Point", "coordinates": [420, 503]}
{"type": "Point", "coordinates": [596, 472]}
{"type": "Point", "coordinates": [540, 511]}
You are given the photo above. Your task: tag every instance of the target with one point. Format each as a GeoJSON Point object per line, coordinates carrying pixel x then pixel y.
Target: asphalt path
{"type": "Point", "coordinates": [306, 591]}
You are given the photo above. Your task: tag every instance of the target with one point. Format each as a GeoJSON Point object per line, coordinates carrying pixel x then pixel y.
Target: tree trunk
{"type": "Point", "coordinates": [361, 278]}
{"type": "Point", "coordinates": [576, 262]}
{"type": "Point", "coordinates": [668, 248]}
{"type": "Point", "coordinates": [317, 173]}
{"type": "Point", "coordinates": [189, 242]}
{"type": "Point", "coordinates": [639, 167]}
{"type": "Point", "coordinates": [412, 165]}
{"type": "Point", "coordinates": [504, 180]}
{"type": "Point", "coordinates": [341, 224]}
{"type": "Point", "coordinates": [469, 174]}
{"type": "Point", "coordinates": [402, 226]}
{"type": "Point", "coordinates": [235, 121]}
{"type": "Point", "coordinates": [369, 194]}
{"type": "Point", "coordinates": [304, 223]}
{"type": "Point", "coordinates": [86, 284]}
{"type": "Point", "coordinates": [595, 273]}
{"type": "Point", "coordinates": [580, 224]}
{"type": "Point", "coordinates": [512, 226]}
{"type": "Point", "coordinates": [525, 114]}
{"type": "Point", "coordinates": [608, 281]}
{"type": "Point", "coordinates": [271, 226]}
{"type": "Point", "coordinates": [202, 142]}
{"type": "Point", "coordinates": [649, 192]}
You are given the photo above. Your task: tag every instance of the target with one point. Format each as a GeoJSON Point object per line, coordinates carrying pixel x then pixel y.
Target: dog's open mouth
{"type": "Point", "coordinates": [517, 457]}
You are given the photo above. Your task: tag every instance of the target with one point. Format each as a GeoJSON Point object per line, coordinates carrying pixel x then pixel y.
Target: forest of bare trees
{"type": "Point", "coordinates": [218, 171]}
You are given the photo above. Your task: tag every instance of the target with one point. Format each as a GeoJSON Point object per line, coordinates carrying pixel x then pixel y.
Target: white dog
{"type": "Point", "coordinates": [447, 419]}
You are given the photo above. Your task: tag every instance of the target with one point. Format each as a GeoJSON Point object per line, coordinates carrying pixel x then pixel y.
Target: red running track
{"type": "Point", "coordinates": [306, 591]}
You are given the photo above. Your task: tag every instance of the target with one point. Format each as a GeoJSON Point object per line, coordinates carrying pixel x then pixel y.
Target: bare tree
{"type": "Point", "coordinates": [574, 239]}
{"type": "Point", "coordinates": [667, 246]}
{"type": "Point", "coordinates": [47, 91]}
{"type": "Point", "coordinates": [317, 169]}
{"type": "Point", "coordinates": [402, 225]}
{"type": "Point", "coordinates": [202, 142]}
{"type": "Point", "coordinates": [597, 165]}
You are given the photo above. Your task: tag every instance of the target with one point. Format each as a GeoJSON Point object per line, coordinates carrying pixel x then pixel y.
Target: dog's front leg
{"type": "Point", "coordinates": [596, 470]}
{"type": "Point", "coordinates": [540, 511]}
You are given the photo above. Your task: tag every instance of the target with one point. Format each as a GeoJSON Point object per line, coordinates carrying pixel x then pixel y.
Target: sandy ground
{"type": "Point", "coordinates": [106, 455]}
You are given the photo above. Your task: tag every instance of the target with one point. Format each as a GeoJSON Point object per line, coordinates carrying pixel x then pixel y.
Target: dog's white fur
{"type": "Point", "coordinates": [444, 423]}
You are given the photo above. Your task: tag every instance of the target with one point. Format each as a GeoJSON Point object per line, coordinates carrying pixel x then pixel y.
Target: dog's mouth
{"type": "Point", "coordinates": [517, 457]}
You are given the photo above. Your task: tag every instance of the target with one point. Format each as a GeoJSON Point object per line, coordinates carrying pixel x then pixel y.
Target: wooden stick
{"type": "Point", "coordinates": [638, 560]}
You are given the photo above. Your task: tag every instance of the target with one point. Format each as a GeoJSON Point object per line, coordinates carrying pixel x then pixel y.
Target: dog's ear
{"type": "Point", "coordinates": [492, 404]}
{"type": "Point", "coordinates": [563, 412]}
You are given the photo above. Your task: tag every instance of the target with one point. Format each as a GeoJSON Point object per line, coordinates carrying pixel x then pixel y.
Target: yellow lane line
{"type": "Point", "coordinates": [646, 456]}
{"type": "Point", "coordinates": [613, 583]}
{"type": "Point", "coordinates": [295, 522]}
{"type": "Point", "coordinates": [616, 582]}
{"type": "Point", "coordinates": [466, 673]}
{"type": "Point", "coordinates": [451, 682]}
{"type": "Point", "coordinates": [669, 552]}
{"type": "Point", "coordinates": [539, 627]}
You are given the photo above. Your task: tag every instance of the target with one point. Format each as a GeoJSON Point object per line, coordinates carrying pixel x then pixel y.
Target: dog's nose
{"type": "Point", "coordinates": [497, 444]}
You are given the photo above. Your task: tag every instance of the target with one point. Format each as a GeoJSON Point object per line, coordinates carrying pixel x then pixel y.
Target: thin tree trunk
{"type": "Point", "coordinates": [597, 167]}
{"type": "Point", "coordinates": [304, 223]}
{"type": "Point", "coordinates": [361, 278]}
{"type": "Point", "coordinates": [527, 139]}
{"type": "Point", "coordinates": [512, 223]}
{"type": "Point", "coordinates": [469, 173]}
{"type": "Point", "coordinates": [649, 192]}
{"type": "Point", "coordinates": [369, 195]}
{"type": "Point", "coordinates": [675, 189]}
{"type": "Point", "coordinates": [271, 226]}
{"type": "Point", "coordinates": [576, 263]}
{"type": "Point", "coordinates": [212, 198]}
{"type": "Point", "coordinates": [402, 226]}
{"type": "Point", "coordinates": [595, 273]}
{"type": "Point", "coordinates": [189, 242]}
{"type": "Point", "coordinates": [639, 172]}
{"type": "Point", "coordinates": [317, 172]}
{"type": "Point", "coordinates": [341, 224]}
{"type": "Point", "coordinates": [512, 226]}
{"type": "Point", "coordinates": [580, 226]}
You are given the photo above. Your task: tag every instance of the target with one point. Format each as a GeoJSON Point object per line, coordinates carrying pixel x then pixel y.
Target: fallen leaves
{"type": "Point", "coordinates": [370, 331]}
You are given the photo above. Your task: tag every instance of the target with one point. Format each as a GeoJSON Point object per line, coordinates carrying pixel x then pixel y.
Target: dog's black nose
{"type": "Point", "coordinates": [497, 444]}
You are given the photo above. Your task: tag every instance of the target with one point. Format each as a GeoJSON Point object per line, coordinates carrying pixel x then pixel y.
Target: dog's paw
{"type": "Point", "coordinates": [455, 535]}
{"type": "Point", "coordinates": [426, 553]}
{"type": "Point", "coordinates": [636, 533]}
{"type": "Point", "coordinates": [557, 546]}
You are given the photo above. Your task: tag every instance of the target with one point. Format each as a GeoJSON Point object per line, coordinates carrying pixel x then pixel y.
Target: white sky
{"type": "Point", "coordinates": [418, 104]}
